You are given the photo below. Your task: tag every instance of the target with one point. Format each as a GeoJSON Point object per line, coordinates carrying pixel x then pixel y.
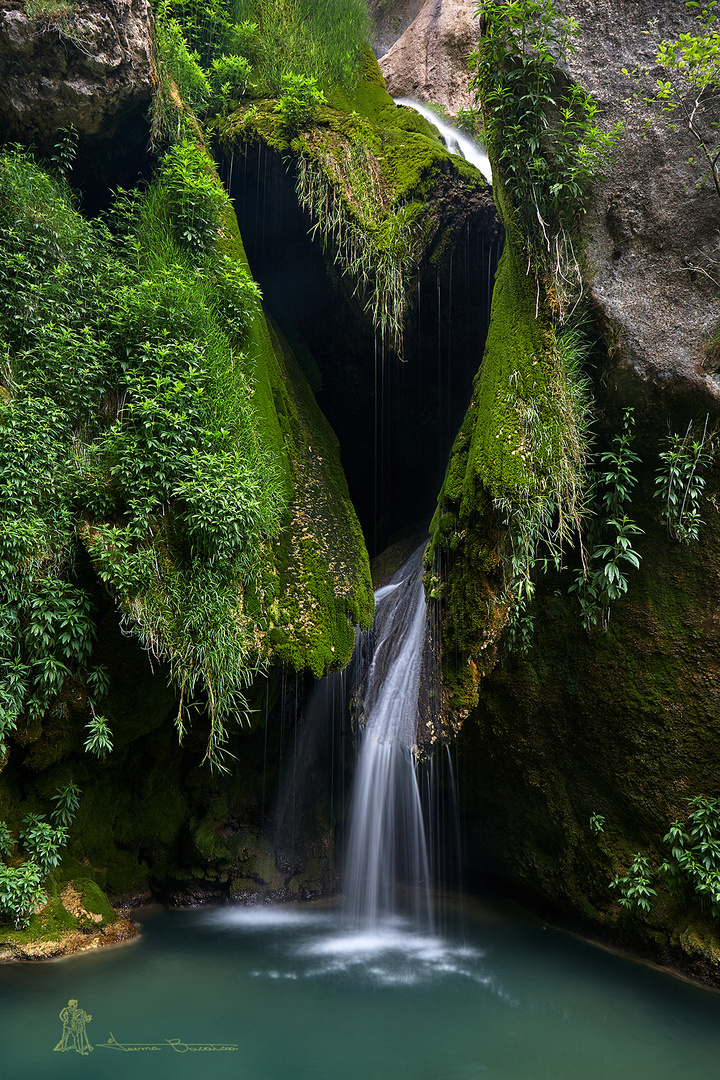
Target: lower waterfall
{"type": "Point", "coordinates": [387, 845]}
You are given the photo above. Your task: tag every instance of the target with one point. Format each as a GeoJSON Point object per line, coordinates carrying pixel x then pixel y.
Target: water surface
{"type": "Point", "coordinates": [303, 997]}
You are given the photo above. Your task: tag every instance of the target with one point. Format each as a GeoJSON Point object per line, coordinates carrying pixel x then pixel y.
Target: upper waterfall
{"type": "Point", "coordinates": [455, 141]}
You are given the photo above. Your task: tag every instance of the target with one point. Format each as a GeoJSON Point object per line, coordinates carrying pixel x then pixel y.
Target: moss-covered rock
{"type": "Point", "coordinates": [620, 724]}
{"type": "Point", "coordinates": [318, 569]}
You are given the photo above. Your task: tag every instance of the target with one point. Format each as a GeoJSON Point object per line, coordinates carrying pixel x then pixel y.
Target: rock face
{"type": "Point", "coordinates": [656, 214]}
{"type": "Point", "coordinates": [623, 724]}
{"type": "Point", "coordinates": [90, 66]}
{"type": "Point", "coordinates": [391, 19]}
{"type": "Point", "coordinates": [429, 61]}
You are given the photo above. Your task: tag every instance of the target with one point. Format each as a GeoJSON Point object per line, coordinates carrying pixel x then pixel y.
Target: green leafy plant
{"type": "Point", "coordinates": [597, 823]}
{"type": "Point", "coordinates": [689, 94]}
{"type": "Point", "coordinates": [542, 128]}
{"type": "Point", "coordinates": [99, 740]}
{"type": "Point", "coordinates": [22, 887]}
{"type": "Point", "coordinates": [194, 198]}
{"type": "Point", "coordinates": [66, 802]}
{"type": "Point", "coordinates": [298, 101]}
{"type": "Point", "coordinates": [635, 886]}
{"type": "Point", "coordinates": [65, 150]}
{"type": "Point", "coordinates": [362, 228]}
{"type": "Point", "coordinates": [679, 482]}
{"type": "Point", "coordinates": [21, 891]}
{"type": "Point", "coordinates": [694, 860]}
{"type": "Point", "coordinates": [6, 841]}
{"type": "Point", "coordinates": [126, 387]}
{"type": "Point", "coordinates": [181, 82]}
{"type": "Point", "coordinates": [43, 841]}
{"type": "Point", "coordinates": [230, 76]}
{"type": "Point", "coordinates": [605, 577]}
{"type": "Point", "coordinates": [556, 437]}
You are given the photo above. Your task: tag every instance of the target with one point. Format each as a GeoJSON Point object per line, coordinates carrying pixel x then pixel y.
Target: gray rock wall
{"type": "Point", "coordinates": [429, 61]}
{"type": "Point", "coordinates": [90, 66]}
{"type": "Point", "coordinates": [656, 215]}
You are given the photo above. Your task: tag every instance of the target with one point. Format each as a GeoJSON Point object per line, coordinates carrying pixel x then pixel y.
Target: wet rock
{"type": "Point", "coordinates": [391, 19]}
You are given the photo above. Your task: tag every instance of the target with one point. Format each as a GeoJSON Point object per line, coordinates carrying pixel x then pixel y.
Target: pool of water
{"type": "Point", "coordinates": [290, 993]}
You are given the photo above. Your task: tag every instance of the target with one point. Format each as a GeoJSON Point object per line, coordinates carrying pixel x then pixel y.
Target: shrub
{"type": "Point", "coordinates": [126, 420]}
{"type": "Point", "coordinates": [298, 101]}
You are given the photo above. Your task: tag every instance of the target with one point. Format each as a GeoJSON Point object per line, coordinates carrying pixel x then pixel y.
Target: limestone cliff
{"type": "Point", "coordinates": [427, 59]}
{"type": "Point", "coordinates": [621, 723]}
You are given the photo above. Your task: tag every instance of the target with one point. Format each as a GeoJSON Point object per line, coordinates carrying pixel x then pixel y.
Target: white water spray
{"type": "Point", "coordinates": [387, 836]}
{"type": "Point", "coordinates": [455, 141]}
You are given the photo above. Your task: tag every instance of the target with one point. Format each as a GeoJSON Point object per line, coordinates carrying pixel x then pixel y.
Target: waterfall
{"type": "Point", "coordinates": [455, 141]}
{"type": "Point", "coordinates": [387, 842]}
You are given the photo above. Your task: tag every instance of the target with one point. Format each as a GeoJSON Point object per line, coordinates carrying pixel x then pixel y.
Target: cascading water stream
{"type": "Point", "coordinates": [387, 844]}
{"type": "Point", "coordinates": [455, 141]}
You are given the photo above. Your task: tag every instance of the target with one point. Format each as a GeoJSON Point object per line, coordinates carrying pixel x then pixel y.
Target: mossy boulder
{"type": "Point", "coordinates": [621, 723]}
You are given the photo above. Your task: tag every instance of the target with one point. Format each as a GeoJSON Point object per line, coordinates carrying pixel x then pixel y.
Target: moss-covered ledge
{"type": "Point", "coordinates": [76, 917]}
{"type": "Point", "coordinates": [382, 194]}
{"type": "Point", "coordinates": [318, 569]}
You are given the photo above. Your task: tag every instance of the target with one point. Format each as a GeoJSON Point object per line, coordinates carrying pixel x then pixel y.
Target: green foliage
{"type": "Point", "coordinates": [548, 509]}
{"type": "Point", "coordinates": [65, 150]}
{"type": "Point", "coordinates": [22, 887]}
{"type": "Point", "coordinates": [689, 94]}
{"type": "Point", "coordinates": [694, 859]}
{"type": "Point", "coordinates": [635, 886]}
{"type": "Point", "coordinates": [42, 841]}
{"type": "Point", "coordinates": [298, 101]}
{"type": "Point", "coordinates": [604, 579]}
{"type": "Point", "coordinates": [597, 823]}
{"type": "Point", "coordinates": [66, 802]}
{"type": "Point", "coordinates": [362, 228]}
{"type": "Point", "coordinates": [229, 77]}
{"type": "Point", "coordinates": [6, 841]}
{"type": "Point", "coordinates": [99, 740]}
{"type": "Point", "coordinates": [319, 39]}
{"type": "Point", "coordinates": [127, 427]}
{"type": "Point", "coordinates": [679, 482]}
{"type": "Point", "coordinates": [217, 51]}
{"type": "Point", "coordinates": [692, 866]}
{"type": "Point", "coordinates": [178, 73]}
{"type": "Point", "coordinates": [21, 891]}
{"type": "Point", "coordinates": [541, 127]}
{"type": "Point", "coordinates": [194, 200]}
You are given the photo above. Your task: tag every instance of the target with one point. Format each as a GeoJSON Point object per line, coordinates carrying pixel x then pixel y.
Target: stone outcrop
{"type": "Point", "coordinates": [391, 19]}
{"type": "Point", "coordinates": [89, 65]}
{"type": "Point", "coordinates": [621, 724]}
{"type": "Point", "coordinates": [429, 61]}
{"type": "Point", "coordinates": [656, 215]}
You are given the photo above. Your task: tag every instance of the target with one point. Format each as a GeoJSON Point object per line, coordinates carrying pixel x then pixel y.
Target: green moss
{"type": "Point", "coordinates": [367, 173]}
{"type": "Point", "coordinates": [323, 587]}
{"type": "Point", "coordinates": [47, 925]}
{"type": "Point", "coordinates": [95, 901]}
{"type": "Point", "coordinates": [511, 375]}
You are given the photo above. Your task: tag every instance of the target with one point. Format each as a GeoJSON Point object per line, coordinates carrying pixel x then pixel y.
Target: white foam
{"type": "Point", "coordinates": [276, 916]}
{"type": "Point", "coordinates": [466, 147]}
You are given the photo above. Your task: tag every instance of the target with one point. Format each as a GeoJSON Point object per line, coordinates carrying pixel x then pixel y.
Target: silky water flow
{"type": "Point", "coordinates": [387, 844]}
{"type": "Point", "coordinates": [315, 992]}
